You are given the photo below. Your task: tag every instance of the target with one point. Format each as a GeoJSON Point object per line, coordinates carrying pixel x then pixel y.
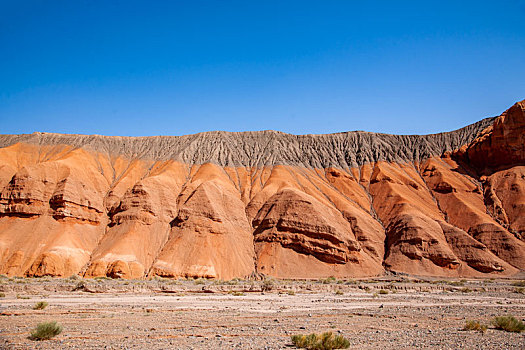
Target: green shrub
{"type": "Point", "coordinates": [41, 305]}
{"type": "Point", "coordinates": [519, 283]}
{"type": "Point", "coordinates": [465, 290]}
{"type": "Point", "coordinates": [519, 290]}
{"type": "Point", "coordinates": [382, 291]}
{"type": "Point", "coordinates": [325, 341]}
{"type": "Point", "coordinates": [46, 330]}
{"type": "Point", "coordinates": [237, 294]}
{"type": "Point", "coordinates": [474, 325]}
{"type": "Point", "coordinates": [2, 295]}
{"type": "Point", "coordinates": [509, 324]}
{"type": "Point", "coordinates": [18, 296]}
{"type": "Point", "coordinates": [328, 280]}
{"type": "Point", "coordinates": [290, 292]}
{"type": "Point", "coordinates": [200, 281]}
{"type": "Point", "coordinates": [339, 292]}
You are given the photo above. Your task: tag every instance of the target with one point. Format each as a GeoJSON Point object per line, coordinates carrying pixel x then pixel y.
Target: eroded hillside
{"type": "Point", "coordinates": [227, 205]}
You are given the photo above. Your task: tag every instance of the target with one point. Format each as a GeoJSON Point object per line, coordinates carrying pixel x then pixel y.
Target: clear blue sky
{"type": "Point", "coordinates": [137, 68]}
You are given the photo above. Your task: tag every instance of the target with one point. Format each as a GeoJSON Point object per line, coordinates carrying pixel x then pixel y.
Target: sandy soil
{"type": "Point", "coordinates": [162, 314]}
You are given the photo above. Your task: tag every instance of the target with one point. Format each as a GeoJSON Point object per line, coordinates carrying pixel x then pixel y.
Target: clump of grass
{"type": "Point", "coordinates": [328, 280]}
{"type": "Point", "coordinates": [509, 324]}
{"type": "Point", "coordinates": [232, 282]}
{"type": "Point", "coordinates": [74, 277]}
{"type": "Point", "coordinates": [465, 290]}
{"type": "Point", "coordinates": [41, 305]}
{"type": "Point", "coordinates": [457, 283]}
{"type": "Point", "coordinates": [18, 296]}
{"type": "Point", "coordinates": [2, 295]}
{"type": "Point", "coordinates": [46, 330]}
{"type": "Point", "coordinates": [101, 278]}
{"type": "Point", "coordinates": [339, 292]}
{"type": "Point", "coordinates": [267, 285]}
{"type": "Point", "coordinates": [382, 291]}
{"type": "Point", "coordinates": [237, 294]}
{"type": "Point", "coordinates": [474, 325]}
{"type": "Point", "coordinates": [200, 281]}
{"type": "Point", "coordinates": [290, 292]}
{"type": "Point", "coordinates": [519, 283]}
{"type": "Point", "coordinates": [325, 341]}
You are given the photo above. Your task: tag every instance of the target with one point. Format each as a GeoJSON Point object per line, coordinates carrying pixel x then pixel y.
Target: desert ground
{"type": "Point", "coordinates": [382, 313]}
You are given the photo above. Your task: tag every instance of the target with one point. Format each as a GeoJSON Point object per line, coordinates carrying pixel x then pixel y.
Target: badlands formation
{"type": "Point", "coordinates": [225, 205]}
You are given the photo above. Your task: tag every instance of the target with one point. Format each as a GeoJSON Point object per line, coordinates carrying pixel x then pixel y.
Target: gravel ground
{"type": "Point", "coordinates": [206, 315]}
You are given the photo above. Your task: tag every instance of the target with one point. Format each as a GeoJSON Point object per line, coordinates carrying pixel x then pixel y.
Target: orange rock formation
{"type": "Point", "coordinates": [225, 205]}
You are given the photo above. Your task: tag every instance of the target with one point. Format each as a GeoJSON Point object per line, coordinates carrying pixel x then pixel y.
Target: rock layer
{"type": "Point", "coordinates": [225, 205]}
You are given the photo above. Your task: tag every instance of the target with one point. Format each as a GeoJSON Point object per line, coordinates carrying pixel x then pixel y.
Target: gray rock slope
{"type": "Point", "coordinates": [266, 148]}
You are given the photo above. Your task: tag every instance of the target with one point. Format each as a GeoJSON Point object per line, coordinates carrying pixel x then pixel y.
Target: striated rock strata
{"type": "Point", "coordinates": [225, 205]}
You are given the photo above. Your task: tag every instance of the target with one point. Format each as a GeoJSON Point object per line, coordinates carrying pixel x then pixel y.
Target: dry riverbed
{"type": "Point", "coordinates": [393, 312]}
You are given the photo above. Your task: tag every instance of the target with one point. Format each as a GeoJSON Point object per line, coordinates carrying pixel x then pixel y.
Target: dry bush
{"type": "Point", "coordinates": [267, 285]}
{"type": "Point", "coordinates": [325, 341]}
{"type": "Point", "coordinates": [474, 325]}
{"type": "Point", "coordinates": [41, 305]}
{"type": "Point", "coordinates": [46, 330]}
{"type": "Point", "coordinates": [509, 324]}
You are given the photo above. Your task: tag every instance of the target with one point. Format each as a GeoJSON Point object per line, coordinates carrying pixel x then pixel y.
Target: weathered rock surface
{"type": "Point", "coordinates": [225, 205]}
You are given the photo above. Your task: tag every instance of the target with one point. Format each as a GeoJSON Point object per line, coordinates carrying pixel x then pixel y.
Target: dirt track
{"type": "Point", "coordinates": [411, 315]}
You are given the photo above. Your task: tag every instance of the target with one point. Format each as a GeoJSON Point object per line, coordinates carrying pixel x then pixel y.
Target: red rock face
{"type": "Point", "coordinates": [222, 205]}
{"type": "Point", "coordinates": [501, 145]}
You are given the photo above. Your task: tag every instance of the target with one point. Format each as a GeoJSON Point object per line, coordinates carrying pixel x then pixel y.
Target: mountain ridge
{"type": "Point", "coordinates": [350, 149]}
{"type": "Point", "coordinates": [223, 205]}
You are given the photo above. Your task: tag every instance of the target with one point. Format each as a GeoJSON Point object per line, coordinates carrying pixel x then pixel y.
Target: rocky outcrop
{"type": "Point", "coordinates": [500, 145]}
{"type": "Point", "coordinates": [225, 205]}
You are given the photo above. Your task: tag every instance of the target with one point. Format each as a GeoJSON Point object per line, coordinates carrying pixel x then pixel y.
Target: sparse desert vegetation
{"type": "Point", "coordinates": [41, 305]}
{"type": "Point", "coordinates": [46, 330]}
{"type": "Point", "coordinates": [508, 324]}
{"type": "Point", "coordinates": [475, 325]}
{"type": "Point", "coordinates": [162, 313]}
{"type": "Point", "coordinates": [324, 341]}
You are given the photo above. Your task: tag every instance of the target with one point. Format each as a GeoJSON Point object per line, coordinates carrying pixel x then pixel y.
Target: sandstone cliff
{"type": "Point", "coordinates": [225, 205]}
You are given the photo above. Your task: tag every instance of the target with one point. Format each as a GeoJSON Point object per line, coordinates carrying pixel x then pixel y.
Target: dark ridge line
{"type": "Point", "coordinates": [266, 148]}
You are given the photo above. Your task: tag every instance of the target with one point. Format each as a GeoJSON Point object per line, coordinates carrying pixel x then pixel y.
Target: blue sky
{"type": "Point", "coordinates": [139, 68]}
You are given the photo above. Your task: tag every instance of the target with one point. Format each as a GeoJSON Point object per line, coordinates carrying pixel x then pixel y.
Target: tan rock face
{"type": "Point", "coordinates": [225, 205]}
